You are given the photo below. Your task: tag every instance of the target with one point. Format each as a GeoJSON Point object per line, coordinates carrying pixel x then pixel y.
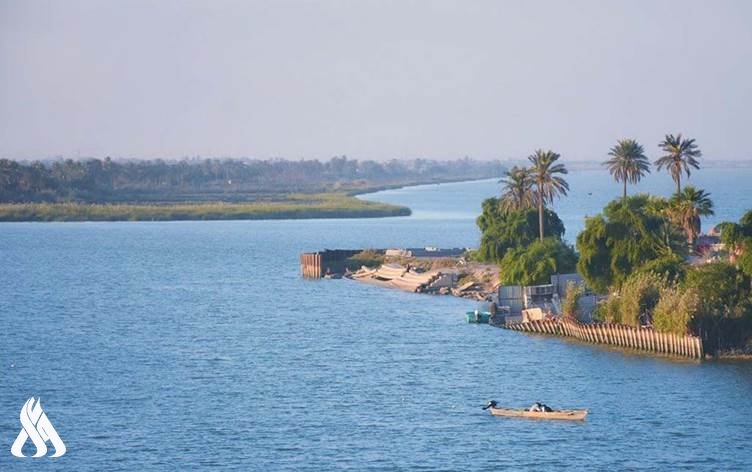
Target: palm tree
{"type": "Point", "coordinates": [548, 184]}
{"type": "Point", "coordinates": [517, 192]}
{"type": "Point", "coordinates": [686, 208]}
{"type": "Point", "coordinates": [681, 154]}
{"type": "Point", "coordinates": [628, 162]}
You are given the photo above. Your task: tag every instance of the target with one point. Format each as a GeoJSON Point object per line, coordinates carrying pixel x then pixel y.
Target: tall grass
{"type": "Point", "coordinates": [638, 296]}
{"type": "Point", "coordinates": [570, 305]}
{"type": "Point", "coordinates": [675, 310]}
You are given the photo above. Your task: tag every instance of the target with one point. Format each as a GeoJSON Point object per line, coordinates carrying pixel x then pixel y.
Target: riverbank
{"type": "Point", "coordinates": [294, 206]}
{"type": "Point", "coordinates": [345, 203]}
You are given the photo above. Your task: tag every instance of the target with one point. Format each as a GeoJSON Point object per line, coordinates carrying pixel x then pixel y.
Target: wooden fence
{"type": "Point", "coordinates": [643, 339]}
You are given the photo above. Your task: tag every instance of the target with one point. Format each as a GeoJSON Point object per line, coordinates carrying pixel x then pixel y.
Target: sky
{"type": "Point", "coordinates": [371, 79]}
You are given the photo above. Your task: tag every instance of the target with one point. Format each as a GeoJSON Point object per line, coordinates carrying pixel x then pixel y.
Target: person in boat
{"type": "Point", "coordinates": [540, 407]}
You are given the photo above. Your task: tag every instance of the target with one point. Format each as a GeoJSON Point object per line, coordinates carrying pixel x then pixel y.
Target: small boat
{"type": "Point", "coordinates": [477, 316]}
{"type": "Point", "coordinates": [572, 415]}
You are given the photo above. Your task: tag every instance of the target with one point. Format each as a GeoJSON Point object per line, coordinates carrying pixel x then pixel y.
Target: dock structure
{"type": "Point", "coordinates": [314, 265]}
{"type": "Point", "coordinates": [642, 339]}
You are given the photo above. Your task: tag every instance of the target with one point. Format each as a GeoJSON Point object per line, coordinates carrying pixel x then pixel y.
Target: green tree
{"type": "Point", "coordinates": [546, 181]}
{"type": "Point", "coordinates": [671, 267]}
{"type": "Point", "coordinates": [618, 242]}
{"type": "Point", "coordinates": [502, 230]}
{"type": "Point", "coordinates": [686, 208]}
{"type": "Point", "coordinates": [628, 163]}
{"type": "Point", "coordinates": [517, 192]}
{"type": "Point", "coordinates": [738, 240]}
{"type": "Point", "coordinates": [534, 264]}
{"type": "Point", "coordinates": [681, 154]}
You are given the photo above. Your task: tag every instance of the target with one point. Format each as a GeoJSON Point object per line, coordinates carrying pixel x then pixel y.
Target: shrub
{"type": "Point", "coordinates": [721, 285]}
{"type": "Point", "coordinates": [570, 305]}
{"type": "Point", "coordinates": [673, 268]}
{"type": "Point", "coordinates": [608, 311]}
{"type": "Point", "coordinates": [368, 258]}
{"type": "Point", "coordinates": [744, 261]}
{"type": "Point", "coordinates": [675, 310]}
{"type": "Point", "coordinates": [638, 296]}
{"type": "Point", "coordinates": [536, 263]}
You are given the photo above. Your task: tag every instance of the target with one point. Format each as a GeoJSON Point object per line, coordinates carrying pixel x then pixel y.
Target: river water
{"type": "Point", "coordinates": [196, 345]}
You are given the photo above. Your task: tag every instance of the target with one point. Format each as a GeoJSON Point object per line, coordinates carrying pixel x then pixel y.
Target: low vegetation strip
{"type": "Point", "coordinates": [330, 205]}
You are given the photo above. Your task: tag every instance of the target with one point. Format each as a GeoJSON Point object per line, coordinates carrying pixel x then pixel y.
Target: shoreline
{"type": "Point", "coordinates": [382, 188]}
{"type": "Point", "coordinates": [346, 204]}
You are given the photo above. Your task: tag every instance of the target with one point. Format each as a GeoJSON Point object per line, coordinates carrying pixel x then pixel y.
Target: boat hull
{"type": "Point", "coordinates": [571, 415]}
{"type": "Point", "coordinates": [481, 317]}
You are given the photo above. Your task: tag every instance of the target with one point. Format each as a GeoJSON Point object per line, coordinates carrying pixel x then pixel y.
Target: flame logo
{"type": "Point", "coordinates": [37, 427]}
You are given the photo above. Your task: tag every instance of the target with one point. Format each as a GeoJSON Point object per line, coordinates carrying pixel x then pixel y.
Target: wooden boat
{"type": "Point", "coordinates": [477, 316]}
{"type": "Point", "coordinates": [573, 415]}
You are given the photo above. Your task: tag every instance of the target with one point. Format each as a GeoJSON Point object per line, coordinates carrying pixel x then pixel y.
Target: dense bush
{"type": "Point", "coordinates": [608, 310]}
{"type": "Point", "coordinates": [369, 258]}
{"type": "Point", "coordinates": [672, 267]}
{"type": "Point", "coordinates": [534, 264]}
{"type": "Point", "coordinates": [570, 304]}
{"type": "Point", "coordinates": [721, 285]}
{"type": "Point", "coordinates": [738, 240]}
{"type": "Point", "coordinates": [638, 295]}
{"type": "Point", "coordinates": [724, 304]}
{"type": "Point", "coordinates": [675, 310]}
{"type": "Point", "coordinates": [503, 230]}
{"type": "Point", "coordinates": [630, 233]}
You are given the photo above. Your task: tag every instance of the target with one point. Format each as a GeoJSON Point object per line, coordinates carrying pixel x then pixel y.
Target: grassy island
{"type": "Point", "coordinates": [294, 206]}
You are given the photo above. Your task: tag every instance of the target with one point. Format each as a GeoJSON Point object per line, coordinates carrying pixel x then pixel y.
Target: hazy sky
{"type": "Point", "coordinates": [371, 79]}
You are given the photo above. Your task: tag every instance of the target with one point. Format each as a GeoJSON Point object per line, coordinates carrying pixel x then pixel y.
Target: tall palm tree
{"type": "Point", "coordinates": [681, 154]}
{"type": "Point", "coordinates": [628, 162]}
{"type": "Point", "coordinates": [517, 192]}
{"type": "Point", "coordinates": [686, 208]}
{"type": "Point", "coordinates": [547, 183]}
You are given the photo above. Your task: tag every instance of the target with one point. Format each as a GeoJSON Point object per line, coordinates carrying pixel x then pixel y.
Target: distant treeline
{"type": "Point", "coordinates": [159, 181]}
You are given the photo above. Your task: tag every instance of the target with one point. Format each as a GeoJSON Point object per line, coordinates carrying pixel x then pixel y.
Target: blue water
{"type": "Point", "coordinates": [196, 345]}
